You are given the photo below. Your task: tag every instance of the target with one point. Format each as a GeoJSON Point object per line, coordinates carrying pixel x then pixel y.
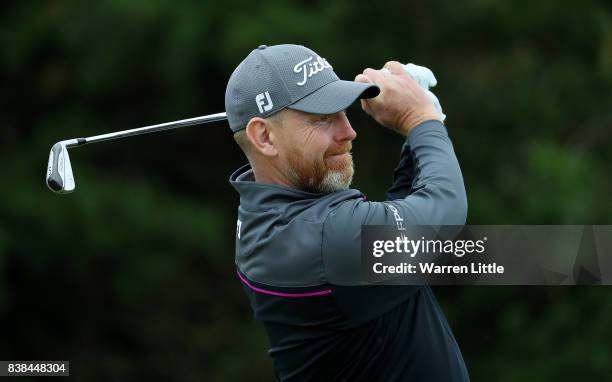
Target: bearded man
{"type": "Point", "coordinates": [299, 224]}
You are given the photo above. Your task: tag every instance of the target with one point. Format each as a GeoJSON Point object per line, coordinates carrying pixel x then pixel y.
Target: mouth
{"type": "Point", "coordinates": [339, 155]}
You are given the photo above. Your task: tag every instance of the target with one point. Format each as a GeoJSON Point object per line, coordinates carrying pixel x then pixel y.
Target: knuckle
{"type": "Point", "coordinates": [361, 78]}
{"type": "Point", "coordinates": [392, 63]}
{"type": "Point", "coordinates": [367, 71]}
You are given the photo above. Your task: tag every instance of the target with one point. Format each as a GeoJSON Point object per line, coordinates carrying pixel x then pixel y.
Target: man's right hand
{"type": "Point", "coordinates": [402, 104]}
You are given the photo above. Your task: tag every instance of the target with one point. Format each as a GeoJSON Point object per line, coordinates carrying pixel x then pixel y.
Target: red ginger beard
{"type": "Point", "coordinates": [322, 174]}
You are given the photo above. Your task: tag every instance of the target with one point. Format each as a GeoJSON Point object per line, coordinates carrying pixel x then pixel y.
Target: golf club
{"type": "Point", "coordinates": [59, 170]}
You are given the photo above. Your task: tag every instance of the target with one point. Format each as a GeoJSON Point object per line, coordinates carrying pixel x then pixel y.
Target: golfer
{"type": "Point", "coordinates": [299, 223]}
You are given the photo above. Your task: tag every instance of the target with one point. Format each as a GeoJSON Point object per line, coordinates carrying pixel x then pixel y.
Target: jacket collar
{"type": "Point", "coordinates": [256, 196]}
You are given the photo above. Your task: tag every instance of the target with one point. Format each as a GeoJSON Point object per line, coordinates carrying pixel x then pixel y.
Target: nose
{"type": "Point", "coordinates": [343, 131]}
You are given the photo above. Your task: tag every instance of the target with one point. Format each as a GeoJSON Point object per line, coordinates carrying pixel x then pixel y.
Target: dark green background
{"type": "Point", "coordinates": [132, 277]}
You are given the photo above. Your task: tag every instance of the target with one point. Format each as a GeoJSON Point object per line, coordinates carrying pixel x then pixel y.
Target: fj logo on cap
{"type": "Point", "coordinates": [310, 68]}
{"type": "Point", "coordinates": [263, 105]}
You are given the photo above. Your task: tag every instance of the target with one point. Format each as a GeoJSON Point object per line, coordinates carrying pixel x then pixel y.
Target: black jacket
{"type": "Point", "coordinates": [298, 258]}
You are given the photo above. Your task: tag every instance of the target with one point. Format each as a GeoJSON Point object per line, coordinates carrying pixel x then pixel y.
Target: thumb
{"type": "Point", "coordinates": [366, 106]}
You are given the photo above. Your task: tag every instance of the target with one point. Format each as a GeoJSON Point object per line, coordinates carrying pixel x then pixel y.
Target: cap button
{"type": "Point", "coordinates": [262, 47]}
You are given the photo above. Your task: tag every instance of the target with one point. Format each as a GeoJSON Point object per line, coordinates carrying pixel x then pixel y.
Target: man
{"type": "Point", "coordinates": [299, 224]}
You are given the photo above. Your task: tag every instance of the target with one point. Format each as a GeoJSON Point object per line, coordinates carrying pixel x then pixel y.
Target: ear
{"type": "Point", "coordinates": [259, 131]}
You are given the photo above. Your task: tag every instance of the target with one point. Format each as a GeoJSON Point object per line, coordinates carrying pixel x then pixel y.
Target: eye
{"type": "Point", "coordinates": [324, 118]}
{"type": "Point", "coordinates": [321, 120]}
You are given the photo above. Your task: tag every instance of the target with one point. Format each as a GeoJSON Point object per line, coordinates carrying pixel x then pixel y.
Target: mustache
{"type": "Point", "coordinates": [345, 148]}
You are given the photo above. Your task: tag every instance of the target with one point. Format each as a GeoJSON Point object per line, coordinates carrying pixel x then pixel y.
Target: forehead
{"type": "Point", "coordinates": [290, 115]}
{"type": "Point", "coordinates": [294, 124]}
{"type": "Point", "coordinates": [295, 114]}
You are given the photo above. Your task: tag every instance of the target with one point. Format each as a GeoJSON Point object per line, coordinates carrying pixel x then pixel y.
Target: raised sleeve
{"type": "Point", "coordinates": [428, 189]}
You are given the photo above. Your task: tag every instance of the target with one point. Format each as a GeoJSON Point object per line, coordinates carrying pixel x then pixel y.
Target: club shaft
{"type": "Point", "coordinates": [147, 129]}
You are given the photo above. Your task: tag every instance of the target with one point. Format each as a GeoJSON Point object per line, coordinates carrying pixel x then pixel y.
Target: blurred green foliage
{"type": "Point", "coordinates": [131, 277]}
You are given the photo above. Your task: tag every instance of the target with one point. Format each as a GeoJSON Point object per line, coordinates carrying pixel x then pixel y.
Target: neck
{"type": "Point", "coordinates": [266, 173]}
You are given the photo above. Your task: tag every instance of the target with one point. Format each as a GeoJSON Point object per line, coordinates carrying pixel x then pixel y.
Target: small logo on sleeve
{"type": "Point", "coordinates": [263, 101]}
{"type": "Point", "coordinates": [238, 226]}
{"type": "Point", "coordinates": [399, 221]}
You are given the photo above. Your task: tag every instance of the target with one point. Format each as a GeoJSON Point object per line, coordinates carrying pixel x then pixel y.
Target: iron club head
{"type": "Point", "coordinates": [59, 171]}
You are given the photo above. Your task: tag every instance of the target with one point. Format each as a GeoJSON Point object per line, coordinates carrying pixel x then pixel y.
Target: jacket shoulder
{"type": "Point", "coordinates": [283, 246]}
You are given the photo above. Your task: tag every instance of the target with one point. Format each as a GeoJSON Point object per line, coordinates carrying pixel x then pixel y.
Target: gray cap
{"type": "Point", "coordinates": [272, 78]}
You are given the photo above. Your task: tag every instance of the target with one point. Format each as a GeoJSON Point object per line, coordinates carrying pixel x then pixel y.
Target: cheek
{"type": "Point", "coordinates": [309, 145]}
{"type": "Point", "coordinates": [318, 146]}
{"type": "Point", "coordinates": [311, 150]}
{"type": "Point", "coordinates": [287, 147]}
{"type": "Point", "coordinates": [295, 155]}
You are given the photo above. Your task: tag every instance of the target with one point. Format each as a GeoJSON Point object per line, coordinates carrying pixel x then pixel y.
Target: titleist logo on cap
{"type": "Point", "coordinates": [310, 68]}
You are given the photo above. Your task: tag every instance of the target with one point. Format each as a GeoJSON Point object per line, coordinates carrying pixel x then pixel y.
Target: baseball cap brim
{"type": "Point", "coordinates": [335, 97]}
